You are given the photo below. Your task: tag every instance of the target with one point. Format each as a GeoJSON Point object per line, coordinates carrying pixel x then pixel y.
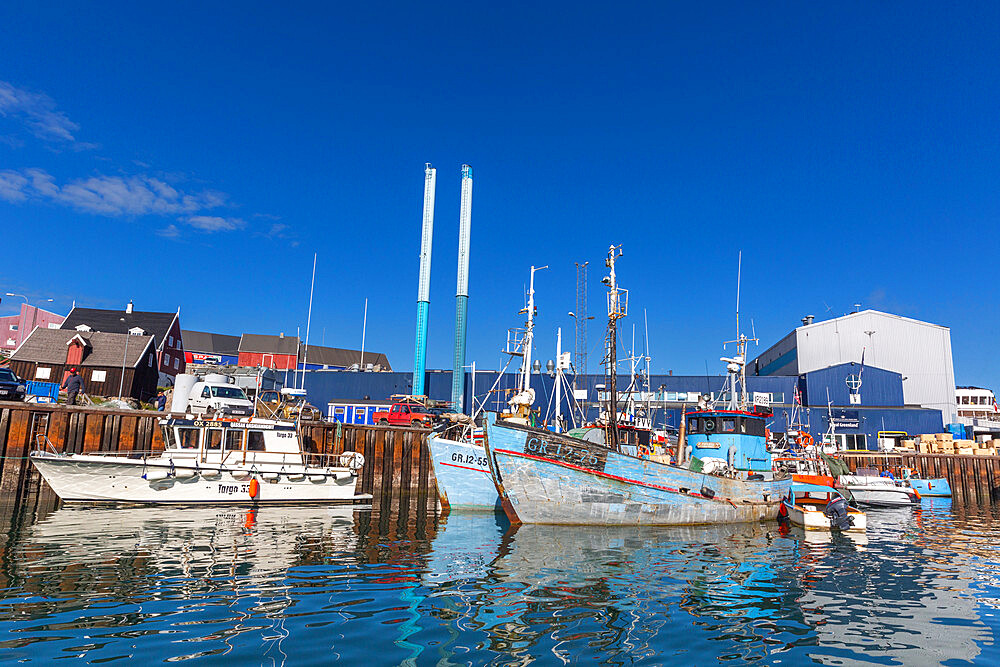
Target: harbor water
{"type": "Point", "coordinates": [399, 585]}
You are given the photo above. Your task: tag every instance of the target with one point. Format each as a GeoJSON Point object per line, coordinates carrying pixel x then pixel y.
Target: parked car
{"type": "Point", "coordinates": [11, 387]}
{"type": "Point", "coordinates": [405, 413]}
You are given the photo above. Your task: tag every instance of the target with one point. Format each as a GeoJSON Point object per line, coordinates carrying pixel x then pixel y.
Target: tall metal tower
{"type": "Point", "coordinates": [424, 282]}
{"type": "Point", "coordinates": [580, 353]}
{"type": "Point", "coordinates": [462, 295]}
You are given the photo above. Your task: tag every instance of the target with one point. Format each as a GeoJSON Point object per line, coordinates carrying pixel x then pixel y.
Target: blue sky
{"type": "Point", "coordinates": [184, 155]}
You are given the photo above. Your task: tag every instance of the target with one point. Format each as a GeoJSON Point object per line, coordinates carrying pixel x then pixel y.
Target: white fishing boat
{"type": "Point", "coordinates": [464, 479]}
{"type": "Point", "coordinates": [215, 461]}
{"type": "Point", "coordinates": [867, 487]}
{"type": "Point", "coordinates": [808, 506]}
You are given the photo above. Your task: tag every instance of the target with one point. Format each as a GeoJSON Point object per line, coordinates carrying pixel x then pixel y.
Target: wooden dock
{"type": "Point", "coordinates": [397, 460]}
{"type": "Point", "coordinates": [973, 479]}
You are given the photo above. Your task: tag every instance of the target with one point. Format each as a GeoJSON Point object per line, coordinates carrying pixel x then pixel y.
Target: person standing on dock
{"type": "Point", "coordinates": [161, 401]}
{"type": "Point", "coordinates": [73, 384]}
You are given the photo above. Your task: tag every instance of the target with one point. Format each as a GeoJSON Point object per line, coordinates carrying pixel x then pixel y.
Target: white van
{"type": "Point", "coordinates": [219, 398]}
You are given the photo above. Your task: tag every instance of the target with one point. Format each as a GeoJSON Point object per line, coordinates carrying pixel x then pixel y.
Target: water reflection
{"type": "Point", "coordinates": [397, 584]}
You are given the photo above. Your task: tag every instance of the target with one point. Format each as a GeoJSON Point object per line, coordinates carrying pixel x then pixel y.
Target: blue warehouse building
{"type": "Point", "coordinates": [876, 410]}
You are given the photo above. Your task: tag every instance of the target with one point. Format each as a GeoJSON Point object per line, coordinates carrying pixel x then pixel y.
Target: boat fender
{"type": "Point", "coordinates": [707, 492]}
{"type": "Point", "coordinates": [783, 511]}
{"type": "Point", "coordinates": [731, 456]}
{"type": "Point", "coordinates": [254, 488]}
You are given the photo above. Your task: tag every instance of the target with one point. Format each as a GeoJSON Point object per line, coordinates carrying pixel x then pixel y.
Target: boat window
{"type": "Point", "coordinates": [214, 439]}
{"type": "Point", "coordinates": [234, 440]}
{"type": "Point", "coordinates": [729, 424]}
{"type": "Point", "coordinates": [255, 441]}
{"type": "Point", "coordinates": [753, 426]}
{"type": "Point", "coordinates": [169, 440]}
{"type": "Point", "coordinates": [709, 425]}
{"type": "Point", "coordinates": [188, 438]}
{"type": "Point", "coordinates": [205, 393]}
{"type": "Point", "coordinates": [643, 438]}
{"type": "Point", "coordinates": [693, 424]}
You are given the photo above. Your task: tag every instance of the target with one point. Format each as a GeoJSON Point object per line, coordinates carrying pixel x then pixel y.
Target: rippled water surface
{"type": "Point", "coordinates": [402, 585]}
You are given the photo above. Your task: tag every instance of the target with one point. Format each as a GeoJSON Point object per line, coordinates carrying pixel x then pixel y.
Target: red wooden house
{"type": "Point", "coordinates": [280, 352]}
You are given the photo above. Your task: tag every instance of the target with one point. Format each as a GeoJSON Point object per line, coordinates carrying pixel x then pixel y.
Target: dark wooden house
{"type": "Point", "coordinates": [166, 327]}
{"type": "Point", "coordinates": [48, 354]}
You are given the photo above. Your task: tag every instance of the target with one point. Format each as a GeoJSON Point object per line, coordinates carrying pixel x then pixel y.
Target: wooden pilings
{"type": "Point", "coordinates": [397, 461]}
{"type": "Point", "coordinates": [973, 479]}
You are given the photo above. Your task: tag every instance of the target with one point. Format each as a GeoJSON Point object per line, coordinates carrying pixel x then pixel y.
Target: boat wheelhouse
{"type": "Point", "coordinates": [736, 436]}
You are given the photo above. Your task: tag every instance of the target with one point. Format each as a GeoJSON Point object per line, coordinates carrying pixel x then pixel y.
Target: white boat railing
{"type": "Point", "coordinates": [308, 460]}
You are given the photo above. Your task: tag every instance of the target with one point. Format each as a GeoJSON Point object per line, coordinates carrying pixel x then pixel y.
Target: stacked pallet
{"type": "Point", "coordinates": [946, 443]}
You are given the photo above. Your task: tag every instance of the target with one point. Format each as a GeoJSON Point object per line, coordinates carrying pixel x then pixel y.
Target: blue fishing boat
{"type": "Point", "coordinates": [937, 487]}
{"type": "Point", "coordinates": [545, 477]}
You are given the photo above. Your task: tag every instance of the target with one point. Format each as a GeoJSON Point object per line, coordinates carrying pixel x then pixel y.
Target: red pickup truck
{"type": "Point", "coordinates": [405, 414]}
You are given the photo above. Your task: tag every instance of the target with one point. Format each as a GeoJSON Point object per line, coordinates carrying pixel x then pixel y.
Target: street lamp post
{"type": "Point", "coordinates": [121, 382]}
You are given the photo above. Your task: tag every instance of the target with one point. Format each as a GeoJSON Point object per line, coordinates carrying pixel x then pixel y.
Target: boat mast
{"type": "Point", "coordinates": [524, 381]}
{"type": "Point", "coordinates": [617, 307]}
{"type": "Point", "coordinates": [737, 366]}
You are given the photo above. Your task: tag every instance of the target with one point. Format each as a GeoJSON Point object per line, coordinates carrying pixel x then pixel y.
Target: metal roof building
{"type": "Point", "coordinates": [919, 351]}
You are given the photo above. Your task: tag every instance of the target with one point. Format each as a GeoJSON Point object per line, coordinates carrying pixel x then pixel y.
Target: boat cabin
{"type": "Point", "coordinates": [738, 437]}
{"type": "Point", "coordinates": [233, 442]}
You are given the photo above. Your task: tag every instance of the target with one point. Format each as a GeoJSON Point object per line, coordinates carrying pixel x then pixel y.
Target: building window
{"type": "Point", "coordinates": [11, 341]}
{"type": "Point", "coordinates": [42, 373]}
{"type": "Point", "coordinates": [53, 325]}
{"type": "Point", "coordinates": [150, 359]}
{"type": "Point", "coordinates": [166, 360]}
{"type": "Point", "coordinates": [170, 341]}
{"type": "Point", "coordinates": [13, 327]}
{"type": "Point", "coordinates": [98, 376]}
{"type": "Point", "coordinates": [177, 363]}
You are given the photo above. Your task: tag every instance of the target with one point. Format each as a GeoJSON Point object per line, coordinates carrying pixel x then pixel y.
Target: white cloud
{"type": "Point", "coordinates": [107, 195]}
{"type": "Point", "coordinates": [39, 113]}
{"type": "Point", "coordinates": [169, 232]}
{"type": "Point", "coordinates": [12, 186]}
{"type": "Point", "coordinates": [211, 223]}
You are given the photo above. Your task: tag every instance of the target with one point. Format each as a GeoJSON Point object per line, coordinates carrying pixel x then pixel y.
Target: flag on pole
{"type": "Point", "coordinates": [862, 367]}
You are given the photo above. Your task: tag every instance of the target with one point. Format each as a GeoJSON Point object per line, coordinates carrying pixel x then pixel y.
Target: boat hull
{"type": "Point", "coordinates": [931, 488]}
{"type": "Point", "coordinates": [87, 478]}
{"type": "Point", "coordinates": [549, 479]}
{"type": "Point", "coordinates": [464, 479]}
{"type": "Point", "coordinates": [880, 497]}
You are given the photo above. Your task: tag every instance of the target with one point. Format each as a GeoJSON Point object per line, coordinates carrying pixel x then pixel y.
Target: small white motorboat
{"type": "Point", "coordinates": [215, 461]}
{"type": "Point", "coordinates": [816, 507]}
{"type": "Point", "coordinates": [867, 488]}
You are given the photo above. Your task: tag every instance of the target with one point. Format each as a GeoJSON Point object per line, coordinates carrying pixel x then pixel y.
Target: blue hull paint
{"type": "Point", "coordinates": [551, 479]}
{"type": "Point", "coordinates": [464, 480]}
{"type": "Point", "coordinates": [931, 487]}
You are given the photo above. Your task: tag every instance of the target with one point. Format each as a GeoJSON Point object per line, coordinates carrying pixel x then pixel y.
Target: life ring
{"type": "Point", "coordinates": [804, 440]}
{"type": "Point", "coordinates": [254, 488]}
{"type": "Point", "coordinates": [352, 460]}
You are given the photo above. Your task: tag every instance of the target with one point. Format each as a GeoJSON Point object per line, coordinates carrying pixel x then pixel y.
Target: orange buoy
{"type": "Point", "coordinates": [254, 488]}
